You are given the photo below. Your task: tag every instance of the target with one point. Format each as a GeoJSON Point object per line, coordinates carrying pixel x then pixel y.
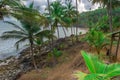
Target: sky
{"type": "Point", "coordinates": [83, 6]}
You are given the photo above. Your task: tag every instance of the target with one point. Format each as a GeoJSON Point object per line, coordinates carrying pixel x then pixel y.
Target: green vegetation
{"type": "Point", "coordinates": [38, 30]}
{"type": "Point", "coordinates": [98, 18]}
{"type": "Point", "coordinates": [56, 53]}
{"type": "Point", "coordinates": [98, 70]}
{"type": "Point", "coordinates": [97, 40]}
{"type": "Point", "coordinates": [28, 31]}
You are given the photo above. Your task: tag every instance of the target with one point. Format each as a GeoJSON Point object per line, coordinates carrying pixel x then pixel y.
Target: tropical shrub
{"type": "Point", "coordinates": [98, 70]}
{"type": "Point", "coordinates": [56, 53]}
{"type": "Point", "coordinates": [97, 39]}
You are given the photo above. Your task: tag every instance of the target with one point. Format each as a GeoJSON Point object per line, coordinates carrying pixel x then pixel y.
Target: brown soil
{"type": "Point", "coordinates": [70, 62]}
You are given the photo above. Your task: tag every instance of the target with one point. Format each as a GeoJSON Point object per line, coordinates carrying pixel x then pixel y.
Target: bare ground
{"type": "Point", "coordinates": [70, 62]}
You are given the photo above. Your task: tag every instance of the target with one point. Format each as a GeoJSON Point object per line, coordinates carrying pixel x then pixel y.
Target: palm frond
{"type": "Point", "coordinates": [113, 70]}
{"type": "Point", "coordinates": [15, 32]}
{"type": "Point", "coordinates": [14, 25]}
{"type": "Point", "coordinates": [31, 5]}
{"type": "Point", "coordinates": [20, 41]}
{"type": "Point", "coordinates": [9, 36]}
{"type": "Point", "coordinates": [44, 33]}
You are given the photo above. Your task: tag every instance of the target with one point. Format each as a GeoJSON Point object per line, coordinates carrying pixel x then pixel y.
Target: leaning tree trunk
{"type": "Point", "coordinates": [32, 55]}
{"type": "Point", "coordinates": [64, 31]}
{"type": "Point", "coordinates": [56, 25]}
{"type": "Point", "coordinates": [51, 43]}
{"type": "Point", "coordinates": [118, 44]}
{"type": "Point", "coordinates": [109, 11]}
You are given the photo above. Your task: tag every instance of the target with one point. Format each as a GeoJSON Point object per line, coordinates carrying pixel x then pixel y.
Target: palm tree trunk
{"type": "Point", "coordinates": [77, 21]}
{"type": "Point", "coordinates": [71, 31]}
{"type": "Point", "coordinates": [74, 31]}
{"type": "Point", "coordinates": [58, 32]}
{"type": "Point", "coordinates": [117, 47]}
{"type": "Point", "coordinates": [50, 24]}
{"type": "Point", "coordinates": [109, 10]}
{"type": "Point", "coordinates": [48, 6]}
{"type": "Point", "coordinates": [72, 34]}
{"type": "Point", "coordinates": [32, 55]}
{"type": "Point", "coordinates": [64, 31]}
{"type": "Point", "coordinates": [56, 25]}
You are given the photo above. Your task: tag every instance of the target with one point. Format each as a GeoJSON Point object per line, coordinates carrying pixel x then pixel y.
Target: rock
{"type": "Point", "coordinates": [12, 68]}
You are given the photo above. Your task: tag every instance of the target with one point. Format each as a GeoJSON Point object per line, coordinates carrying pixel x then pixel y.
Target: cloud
{"type": "Point", "coordinates": [84, 5]}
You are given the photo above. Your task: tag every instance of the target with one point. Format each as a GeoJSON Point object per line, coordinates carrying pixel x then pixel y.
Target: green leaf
{"type": "Point", "coordinates": [89, 62]}
{"type": "Point", "coordinates": [80, 75]}
{"type": "Point", "coordinates": [113, 70]}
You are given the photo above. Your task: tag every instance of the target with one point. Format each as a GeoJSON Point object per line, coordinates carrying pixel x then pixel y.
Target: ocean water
{"type": "Point", "coordinates": [7, 47]}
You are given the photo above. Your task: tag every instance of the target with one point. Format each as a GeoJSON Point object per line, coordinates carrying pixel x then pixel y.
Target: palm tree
{"type": "Point", "coordinates": [26, 32]}
{"type": "Point", "coordinates": [48, 2]}
{"type": "Point", "coordinates": [56, 15]}
{"type": "Point", "coordinates": [110, 4]}
{"type": "Point", "coordinates": [30, 30]}
{"type": "Point", "coordinates": [70, 13]}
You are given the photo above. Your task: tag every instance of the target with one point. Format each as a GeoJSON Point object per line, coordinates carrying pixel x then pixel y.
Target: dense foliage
{"type": "Point", "coordinates": [93, 18]}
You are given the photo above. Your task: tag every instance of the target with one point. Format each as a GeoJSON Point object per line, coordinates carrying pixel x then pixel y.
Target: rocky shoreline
{"type": "Point", "coordinates": [11, 69]}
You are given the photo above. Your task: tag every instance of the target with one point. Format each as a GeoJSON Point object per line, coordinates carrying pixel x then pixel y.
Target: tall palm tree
{"type": "Point", "coordinates": [56, 15]}
{"type": "Point", "coordinates": [70, 12]}
{"type": "Point", "coordinates": [30, 30]}
{"type": "Point", "coordinates": [48, 2]}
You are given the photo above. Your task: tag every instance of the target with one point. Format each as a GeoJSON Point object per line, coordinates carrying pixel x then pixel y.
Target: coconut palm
{"type": "Point", "coordinates": [70, 12]}
{"type": "Point", "coordinates": [29, 30]}
{"type": "Point", "coordinates": [56, 15]}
